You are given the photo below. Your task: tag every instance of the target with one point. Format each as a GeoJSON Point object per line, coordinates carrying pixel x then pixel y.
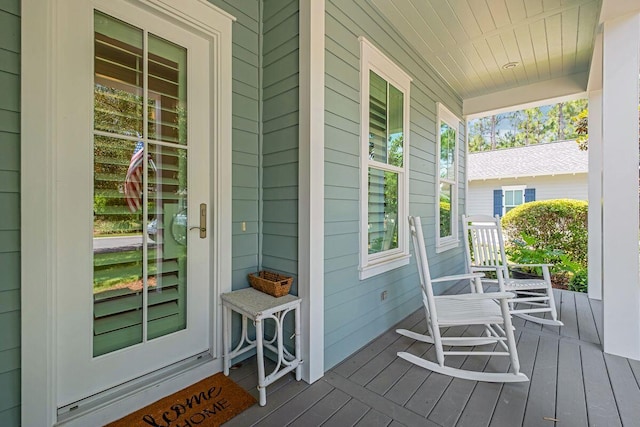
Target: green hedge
{"type": "Point", "coordinates": [554, 224]}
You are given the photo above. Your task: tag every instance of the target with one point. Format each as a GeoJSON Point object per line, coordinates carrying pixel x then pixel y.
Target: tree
{"type": "Point", "coordinates": [560, 124]}
{"type": "Point", "coordinates": [531, 127]}
{"type": "Point", "coordinates": [525, 127]}
{"type": "Point", "coordinates": [581, 123]}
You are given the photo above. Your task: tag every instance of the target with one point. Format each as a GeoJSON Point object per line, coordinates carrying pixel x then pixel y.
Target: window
{"type": "Point", "coordinates": [447, 183]}
{"type": "Point", "coordinates": [508, 197]}
{"type": "Point", "coordinates": [384, 185]}
{"type": "Point", "coordinates": [512, 196]}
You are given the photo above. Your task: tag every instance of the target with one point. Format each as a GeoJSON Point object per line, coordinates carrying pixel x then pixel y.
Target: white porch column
{"type": "Point", "coordinates": [311, 187]}
{"type": "Point", "coordinates": [621, 283]}
{"type": "Point", "coordinates": [595, 195]}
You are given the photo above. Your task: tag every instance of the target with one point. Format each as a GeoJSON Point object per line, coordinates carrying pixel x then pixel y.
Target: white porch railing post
{"type": "Point", "coordinates": [595, 195]}
{"type": "Point", "coordinates": [311, 188]}
{"type": "Point", "coordinates": [621, 282]}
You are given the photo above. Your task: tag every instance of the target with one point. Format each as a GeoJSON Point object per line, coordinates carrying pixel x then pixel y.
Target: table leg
{"type": "Point", "coordinates": [260, 359]}
{"type": "Point", "coordinates": [297, 342]}
{"type": "Point", "coordinates": [226, 338]}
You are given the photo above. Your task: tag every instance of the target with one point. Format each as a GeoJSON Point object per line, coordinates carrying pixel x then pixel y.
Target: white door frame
{"type": "Point", "coordinates": [38, 201]}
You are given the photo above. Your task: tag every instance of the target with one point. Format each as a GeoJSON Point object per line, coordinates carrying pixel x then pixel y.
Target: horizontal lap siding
{"type": "Point", "coordinates": [245, 123]}
{"type": "Point", "coordinates": [354, 312]}
{"type": "Point", "coordinates": [280, 136]}
{"type": "Point", "coordinates": [10, 212]}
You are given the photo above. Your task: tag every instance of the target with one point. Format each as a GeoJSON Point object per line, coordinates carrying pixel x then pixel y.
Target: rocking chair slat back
{"type": "Point", "coordinates": [486, 241]}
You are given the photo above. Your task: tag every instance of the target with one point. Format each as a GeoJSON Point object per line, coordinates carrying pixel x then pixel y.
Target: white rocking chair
{"type": "Point", "coordinates": [485, 252]}
{"type": "Point", "coordinates": [465, 309]}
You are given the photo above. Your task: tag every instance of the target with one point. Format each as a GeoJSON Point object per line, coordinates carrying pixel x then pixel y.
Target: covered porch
{"type": "Point", "coordinates": [292, 142]}
{"type": "Point", "coordinates": [573, 382]}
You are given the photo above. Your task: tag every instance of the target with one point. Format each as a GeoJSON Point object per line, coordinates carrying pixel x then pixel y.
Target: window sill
{"type": "Point", "coordinates": [384, 265]}
{"type": "Point", "coordinates": [447, 245]}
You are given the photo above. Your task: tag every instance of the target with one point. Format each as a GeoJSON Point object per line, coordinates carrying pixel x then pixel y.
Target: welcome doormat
{"type": "Point", "coordinates": [207, 403]}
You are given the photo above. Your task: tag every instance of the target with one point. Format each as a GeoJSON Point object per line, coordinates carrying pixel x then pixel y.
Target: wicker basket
{"type": "Point", "coordinates": [271, 283]}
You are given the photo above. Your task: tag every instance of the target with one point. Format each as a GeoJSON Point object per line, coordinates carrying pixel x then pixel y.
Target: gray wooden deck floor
{"type": "Point", "coordinates": [572, 382]}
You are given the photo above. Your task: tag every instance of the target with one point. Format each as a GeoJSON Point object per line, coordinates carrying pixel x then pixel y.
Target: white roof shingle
{"type": "Point", "coordinates": [554, 158]}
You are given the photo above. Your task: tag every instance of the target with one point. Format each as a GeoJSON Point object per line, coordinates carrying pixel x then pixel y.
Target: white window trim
{"type": "Point", "coordinates": [371, 58]}
{"type": "Point", "coordinates": [453, 241]}
{"type": "Point", "coordinates": [512, 188]}
{"type": "Point", "coordinates": [41, 41]}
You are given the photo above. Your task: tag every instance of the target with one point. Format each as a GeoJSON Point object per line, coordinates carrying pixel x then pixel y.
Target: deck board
{"type": "Point", "coordinates": [596, 310]}
{"type": "Point", "coordinates": [323, 410]}
{"type": "Point", "coordinates": [513, 396]}
{"type": "Point", "coordinates": [601, 404]}
{"type": "Point", "coordinates": [429, 393]}
{"type": "Point", "coordinates": [371, 350]}
{"type": "Point", "coordinates": [348, 415]}
{"type": "Point", "coordinates": [298, 405]}
{"type": "Point", "coordinates": [571, 407]}
{"type": "Point", "coordinates": [586, 323]}
{"type": "Point", "coordinates": [625, 389]}
{"type": "Point", "coordinates": [541, 401]}
{"type": "Point", "coordinates": [374, 418]}
{"type": "Point", "coordinates": [482, 403]}
{"type": "Point", "coordinates": [571, 381]}
{"type": "Point", "coordinates": [568, 316]}
{"type": "Point", "coordinates": [450, 406]}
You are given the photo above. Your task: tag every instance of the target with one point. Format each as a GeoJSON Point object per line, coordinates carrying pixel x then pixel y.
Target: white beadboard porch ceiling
{"type": "Point", "coordinates": [468, 41]}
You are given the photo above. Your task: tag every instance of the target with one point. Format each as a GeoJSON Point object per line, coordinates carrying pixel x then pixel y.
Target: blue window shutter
{"type": "Point", "coordinates": [529, 195]}
{"type": "Point", "coordinates": [497, 202]}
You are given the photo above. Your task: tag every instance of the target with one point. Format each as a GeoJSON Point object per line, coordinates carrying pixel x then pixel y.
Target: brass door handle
{"type": "Point", "coordinates": [203, 221]}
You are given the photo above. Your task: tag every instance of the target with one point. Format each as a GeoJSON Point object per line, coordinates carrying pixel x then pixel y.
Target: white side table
{"type": "Point", "coordinates": [257, 306]}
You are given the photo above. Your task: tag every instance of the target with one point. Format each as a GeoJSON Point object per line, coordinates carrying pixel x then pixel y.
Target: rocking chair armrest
{"type": "Point", "coordinates": [486, 268]}
{"type": "Point", "coordinates": [477, 296]}
{"type": "Point", "coordinates": [456, 277]}
{"type": "Point", "coordinates": [530, 265]}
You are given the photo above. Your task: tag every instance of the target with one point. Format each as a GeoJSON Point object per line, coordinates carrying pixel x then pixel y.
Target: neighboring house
{"type": "Point", "coordinates": [503, 179]}
{"type": "Point", "coordinates": [305, 132]}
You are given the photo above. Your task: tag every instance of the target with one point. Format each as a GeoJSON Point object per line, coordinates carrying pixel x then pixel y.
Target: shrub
{"type": "Point", "coordinates": [527, 250]}
{"type": "Point", "coordinates": [578, 281]}
{"type": "Point", "coordinates": [553, 225]}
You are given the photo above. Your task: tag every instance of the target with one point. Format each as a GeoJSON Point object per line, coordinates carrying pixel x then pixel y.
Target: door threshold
{"type": "Point", "coordinates": [140, 385]}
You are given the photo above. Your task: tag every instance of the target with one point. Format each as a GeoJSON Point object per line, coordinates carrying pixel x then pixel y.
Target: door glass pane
{"type": "Point", "coordinates": [134, 254]}
{"type": "Point", "coordinates": [167, 233]}
{"type": "Point", "coordinates": [383, 210]}
{"type": "Point", "coordinates": [117, 248]}
{"type": "Point", "coordinates": [167, 91]}
{"type": "Point", "coordinates": [118, 76]}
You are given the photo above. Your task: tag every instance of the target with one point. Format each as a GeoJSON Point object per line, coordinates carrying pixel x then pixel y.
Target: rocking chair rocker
{"type": "Point", "coordinates": [485, 252]}
{"type": "Point", "coordinates": [489, 310]}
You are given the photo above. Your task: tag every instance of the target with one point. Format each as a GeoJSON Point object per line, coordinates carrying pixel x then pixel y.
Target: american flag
{"type": "Point", "coordinates": [134, 179]}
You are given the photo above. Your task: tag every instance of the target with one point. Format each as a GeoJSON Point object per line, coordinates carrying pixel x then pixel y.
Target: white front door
{"type": "Point", "coordinates": [133, 209]}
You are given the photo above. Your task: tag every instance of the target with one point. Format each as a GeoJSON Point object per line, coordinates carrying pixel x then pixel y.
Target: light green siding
{"type": "Point", "coordinates": [10, 212]}
{"type": "Point", "coordinates": [245, 136]}
{"type": "Point", "coordinates": [354, 311]}
{"type": "Point", "coordinates": [280, 136]}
